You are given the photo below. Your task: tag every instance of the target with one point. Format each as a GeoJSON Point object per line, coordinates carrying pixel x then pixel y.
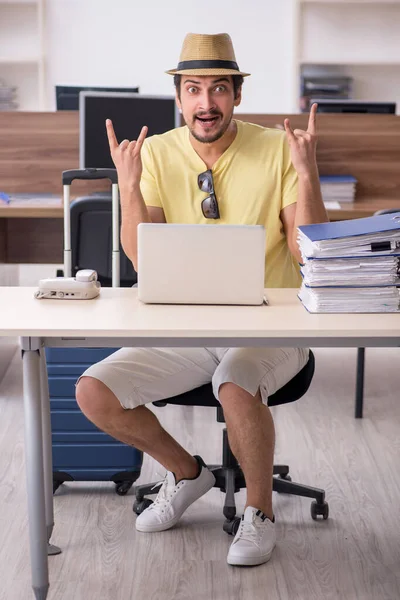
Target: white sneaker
{"type": "Point", "coordinates": [254, 541]}
{"type": "Point", "coordinates": [173, 499]}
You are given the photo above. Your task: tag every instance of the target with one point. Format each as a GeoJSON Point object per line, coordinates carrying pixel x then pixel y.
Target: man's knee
{"type": "Point", "coordinates": [238, 362]}
{"type": "Point", "coordinates": [237, 377]}
{"type": "Point", "coordinates": [230, 393]}
{"type": "Point", "coordinates": [95, 399]}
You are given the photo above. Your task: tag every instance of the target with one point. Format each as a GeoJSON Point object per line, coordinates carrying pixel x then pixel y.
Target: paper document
{"type": "Point", "coordinates": [351, 272]}
{"type": "Point", "coordinates": [26, 199]}
{"type": "Point", "coordinates": [332, 205]}
{"type": "Point", "coordinates": [349, 300]}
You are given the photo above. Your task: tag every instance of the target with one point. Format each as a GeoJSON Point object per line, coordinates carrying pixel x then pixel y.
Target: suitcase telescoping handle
{"type": "Point", "coordinates": [85, 174]}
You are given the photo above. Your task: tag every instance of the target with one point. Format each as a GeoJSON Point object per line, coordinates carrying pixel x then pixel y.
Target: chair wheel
{"type": "Point", "coordinates": [319, 509]}
{"type": "Point", "coordinates": [231, 527]}
{"type": "Point", "coordinates": [285, 477]}
{"type": "Point", "coordinates": [139, 507]}
{"type": "Point", "coordinates": [123, 487]}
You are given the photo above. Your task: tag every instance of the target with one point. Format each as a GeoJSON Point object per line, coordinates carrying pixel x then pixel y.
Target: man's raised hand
{"type": "Point", "coordinates": [303, 144]}
{"type": "Point", "coordinates": [126, 157]}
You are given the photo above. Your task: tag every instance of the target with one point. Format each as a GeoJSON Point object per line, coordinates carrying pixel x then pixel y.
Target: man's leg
{"type": "Point", "coordinates": [251, 436]}
{"type": "Point", "coordinates": [112, 395]}
{"type": "Point", "coordinates": [138, 427]}
{"type": "Point", "coordinates": [243, 381]}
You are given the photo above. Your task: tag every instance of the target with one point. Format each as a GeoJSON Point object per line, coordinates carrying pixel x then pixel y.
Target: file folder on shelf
{"type": "Point", "coordinates": [339, 188]}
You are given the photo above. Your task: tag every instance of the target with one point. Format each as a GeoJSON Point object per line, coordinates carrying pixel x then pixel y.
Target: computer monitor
{"type": "Point", "coordinates": [67, 96]}
{"type": "Point", "coordinates": [128, 112]}
{"type": "Point", "coordinates": [354, 106]}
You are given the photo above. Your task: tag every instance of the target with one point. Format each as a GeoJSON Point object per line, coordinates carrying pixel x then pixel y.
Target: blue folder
{"type": "Point", "coordinates": [337, 179]}
{"type": "Point", "coordinates": [352, 227]}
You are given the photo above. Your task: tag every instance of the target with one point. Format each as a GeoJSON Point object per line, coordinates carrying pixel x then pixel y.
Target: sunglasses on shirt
{"type": "Point", "coordinates": [209, 206]}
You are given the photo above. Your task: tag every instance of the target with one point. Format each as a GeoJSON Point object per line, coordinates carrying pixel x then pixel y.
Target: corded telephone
{"type": "Point", "coordinates": [84, 286]}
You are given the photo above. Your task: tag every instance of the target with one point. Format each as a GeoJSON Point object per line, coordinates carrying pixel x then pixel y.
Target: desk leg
{"type": "Point", "coordinates": [47, 452]}
{"type": "Point", "coordinates": [34, 469]}
{"type": "Point", "coordinates": [360, 383]}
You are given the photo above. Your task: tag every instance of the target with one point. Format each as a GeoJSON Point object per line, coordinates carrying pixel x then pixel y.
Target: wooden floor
{"type": "Point", "coordinates": [355, 555]}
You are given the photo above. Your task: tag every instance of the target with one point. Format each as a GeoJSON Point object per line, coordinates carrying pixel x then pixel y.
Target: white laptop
{"type": "Point", "coordinates": [201, 264]}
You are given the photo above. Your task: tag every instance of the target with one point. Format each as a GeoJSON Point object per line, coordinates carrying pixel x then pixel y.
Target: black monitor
{"type": "Point", "coordinates": [128, 112]}
{"type": "Point", "coordinates": [354, 106]}
{"type": "Point", "coordinates": [67, 96]}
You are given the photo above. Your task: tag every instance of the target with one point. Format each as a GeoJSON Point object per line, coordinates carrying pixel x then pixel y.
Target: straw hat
{"type": "Point", "coordinates": [204, 54]}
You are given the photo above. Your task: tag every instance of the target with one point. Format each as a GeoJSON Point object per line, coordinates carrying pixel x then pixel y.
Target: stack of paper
{"type": "Point", "coordinates": [342, 300]}
{"type": "Point", "coordinates": [382, 270]}
{"type": "Point", "coordinates": [8, 97]}
{"type": "Point", "coordinates": [351, 266]}
{"type": "Point", "coordinates": [338, 188]}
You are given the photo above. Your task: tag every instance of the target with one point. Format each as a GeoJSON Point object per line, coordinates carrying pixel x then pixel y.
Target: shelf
{"type": "Point", "coordinates": [357, 39]}
{"type": "Point", "coordinates": [24, 77]}
{"type": "Point", "coordinates": [378, 2]}
{"type": "Point", "coordinates": [19, 61]}
{"type": "Point", "coordinates": [348, 34]}
{"type": "Point", "coordinates": [351, 63]}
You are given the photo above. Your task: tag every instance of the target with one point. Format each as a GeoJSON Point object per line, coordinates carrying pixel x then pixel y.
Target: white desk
{"type": "Point", "coordinates": [116, 319]}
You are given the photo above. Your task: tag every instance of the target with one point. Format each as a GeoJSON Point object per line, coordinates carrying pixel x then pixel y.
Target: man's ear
{"type": "Point", "coordinates": [178, 102]}
{"type": "Point", "coordinates": [238, 98]}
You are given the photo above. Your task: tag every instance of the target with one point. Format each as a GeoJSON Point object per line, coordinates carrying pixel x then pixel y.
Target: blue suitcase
{"type": "Point", "coordinates": [81, 451]}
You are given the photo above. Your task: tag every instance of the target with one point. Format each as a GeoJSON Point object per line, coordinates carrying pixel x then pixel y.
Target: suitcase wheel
{"type": "Point", "coordinates": [59, 477]}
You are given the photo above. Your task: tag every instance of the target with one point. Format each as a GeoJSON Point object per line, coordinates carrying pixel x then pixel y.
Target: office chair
{"type": "Point", "coordinates": [229, 476]}
{"type": "Point", "coordinates": [360, 369]}
{"type": "Point", "coordinates": [91, 240]}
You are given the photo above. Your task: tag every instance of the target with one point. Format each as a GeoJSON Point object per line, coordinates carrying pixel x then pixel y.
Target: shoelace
{"type": "Point", "coordinates": [164, 495]}
{"type": "Point", "coordinates": [249, 531]}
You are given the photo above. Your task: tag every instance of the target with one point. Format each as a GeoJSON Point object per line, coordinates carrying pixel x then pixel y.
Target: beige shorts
{"type": "Point", "coordinates": [141, 375]}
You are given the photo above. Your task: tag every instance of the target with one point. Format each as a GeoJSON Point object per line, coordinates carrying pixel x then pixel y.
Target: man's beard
{"type": "Point", "coordinates": [212, 137]}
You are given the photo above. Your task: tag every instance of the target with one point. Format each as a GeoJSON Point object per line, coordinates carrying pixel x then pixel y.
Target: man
{"type": "Point", "coordinates": [213, 170]}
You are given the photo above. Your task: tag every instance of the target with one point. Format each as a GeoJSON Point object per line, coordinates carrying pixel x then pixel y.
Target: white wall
{"type": "Point", "coordinates": [132, 42]}
{"type": "Point", "coordinates": [351, 33]}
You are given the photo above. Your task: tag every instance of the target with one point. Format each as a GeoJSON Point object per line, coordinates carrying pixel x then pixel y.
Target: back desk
{"type": "Point", "coordinates": [36, 147]}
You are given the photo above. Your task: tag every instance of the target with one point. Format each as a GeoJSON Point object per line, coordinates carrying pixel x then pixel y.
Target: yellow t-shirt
{"type": "Point", "coordinates": [254, 180]}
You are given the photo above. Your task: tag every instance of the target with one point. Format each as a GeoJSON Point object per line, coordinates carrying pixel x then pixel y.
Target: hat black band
{"type": "Point", "coordinates": [207, 64]}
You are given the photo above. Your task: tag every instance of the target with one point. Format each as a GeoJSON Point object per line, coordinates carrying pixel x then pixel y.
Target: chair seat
{"type": "Point", "coordinates": [293, 390]}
